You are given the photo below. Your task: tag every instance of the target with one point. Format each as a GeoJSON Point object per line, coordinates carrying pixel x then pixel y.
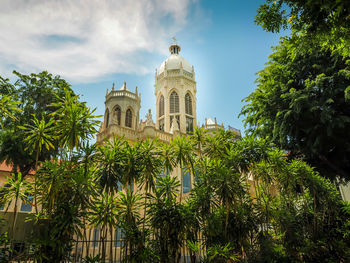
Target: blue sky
{"type": "Point", "coordinates": [95, 43]}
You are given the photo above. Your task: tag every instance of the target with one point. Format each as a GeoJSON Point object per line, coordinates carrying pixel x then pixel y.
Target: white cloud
{"type": "Point", "coordinates": [86, 39]}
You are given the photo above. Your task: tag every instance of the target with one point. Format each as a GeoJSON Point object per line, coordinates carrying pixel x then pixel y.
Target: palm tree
{"type": "Point", "coordinates": [128, 212]}
{"type": "Point", "coordinates": [151, 164]}
{"type": "Point", "coordinates": [75, 121]}
{"type": "Point", "coordinates": [228, 186]}
{"type": "Point", "coordinates": [167, 157]}
{"type": "Point", "coordinates": [214, 146]}
{"type": "Point", "coordinates": [199, 137]}
{"type": "Point", "coordinates": [15, 188]}
{"type": "Point", "coordinates": [183, 156]}
{"type": "Point", "coordinates": [39, 136]}
{"type": "Point", "coordinates": [103, 213]}
{"type": "Point", "coordinates": [168, 187]}
{"type": "Point", "coordinates": [167, 219]}
{"type": "Point", "coordinates": [109, 175]}
{"type": "Point", "coordinates": [132, 162]}
{"type": "Point", "coordinates": [110, 169]}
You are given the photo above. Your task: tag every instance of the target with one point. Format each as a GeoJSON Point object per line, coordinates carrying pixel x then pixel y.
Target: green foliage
{"type": "Point", "coordinates": [327, 21]}
{"type": "Point", "coordinates": [167, 218]}
{"type": "Point", "coordinates": [300, 105]}
{"type": "Point", "coordinates": [218, 253]}
{"type": "Point", "coordinates": [95, 259]}
{"type": "Point", "coordinates": [7, 108]}
{"type": "Point", "coordinates": [111, 169]}
{"type": "Point", "coordinates": [5, 248]}
{"type": "Point", "coordinates": [249, 202]}
{"type": "Point", "coordinates": [32, 94]}
{"type": "Point", "coordinates": [75, 121]}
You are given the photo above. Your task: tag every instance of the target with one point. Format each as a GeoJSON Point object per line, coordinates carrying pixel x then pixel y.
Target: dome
{"type": "Point", "coordinates": [174, 62]}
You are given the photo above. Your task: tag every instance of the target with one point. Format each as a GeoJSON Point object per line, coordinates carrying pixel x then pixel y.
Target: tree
{"type": "Point", "coordinates": [103, 213]}
{"type": "Point", "coordinates": [302, 105]}
{"type": "Point", "coordinates": [39, 135]}
{"type": "Point", "coordinates": [167, 219]}
{"type": "Point", "coordinates": [183, 157]}
{"type": "Point", "coordinates": [34, 92]}
{"type": "Point", "coordinates": [325, 21]}
{"type": "Point", "coordinates": [15, 188]}
{"type": "Point", "coordinates": [7, 108]}
{"type": "Point", "coordinates": [128, 212]}
{"type": "Point", "coordinates": [151, 164]}
{"type": "Point", "coordinates": [132, 164]}
{"type": "Point", "coordinates": [76, 122]}
{"type": "Point", "coordinates": [109, 175]}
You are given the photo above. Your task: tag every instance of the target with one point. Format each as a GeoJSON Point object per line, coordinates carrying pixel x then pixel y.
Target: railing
{"type": "Point", "coordinates": [121, 93]}
{"type": "Point", "coordinates": [174, 72]}
{"type": "Point", "coordinates": [129, 133]}
{"type": "Point", "coordinates": [19, 251]}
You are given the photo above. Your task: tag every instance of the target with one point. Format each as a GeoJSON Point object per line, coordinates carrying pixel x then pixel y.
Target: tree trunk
{"type": "Point", "coordinates": [14, 219]}
{"type": "Point", "coordinates": [35, 187]}
{"type": "Point", "coordinates": [111, 245]}
{"type": "Point", "coordinates": [181, 187]}
{"type": "Point", "coordinates": [227, 206]}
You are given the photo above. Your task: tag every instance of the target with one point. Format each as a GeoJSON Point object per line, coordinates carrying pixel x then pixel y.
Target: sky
{"type": "Point", "coordinates": [94, 43]}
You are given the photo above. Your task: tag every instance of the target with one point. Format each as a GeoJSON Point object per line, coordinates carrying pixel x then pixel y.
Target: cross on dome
{"type": "Point", "coordinates": [174, 39]}
{"type": "Point", "coordinates": [174, 48]}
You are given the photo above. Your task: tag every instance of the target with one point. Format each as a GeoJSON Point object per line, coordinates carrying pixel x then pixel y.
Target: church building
{"type": "Point", "coordinates": [175, 89]}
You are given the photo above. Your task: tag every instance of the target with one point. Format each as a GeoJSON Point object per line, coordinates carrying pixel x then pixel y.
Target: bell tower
{"type": "Point", "coordinates": [175, 91]}
{"type": "Point", "coordinates": [122, 108]}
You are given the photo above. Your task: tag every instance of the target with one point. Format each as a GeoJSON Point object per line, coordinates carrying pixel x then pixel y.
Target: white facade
{"type": "Point", "coordinates": [175, 91]}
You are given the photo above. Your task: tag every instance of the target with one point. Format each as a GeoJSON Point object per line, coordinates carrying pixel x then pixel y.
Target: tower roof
{"type": "Point", "coordinates": [175, 61]}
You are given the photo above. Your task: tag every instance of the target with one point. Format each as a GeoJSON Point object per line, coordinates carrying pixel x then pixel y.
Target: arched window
{"type": "Point", "coordinates": [161, 106]}
{"type": "Point", "coordinates": [107, 118]}
{"type": "Point", "coordinates": [117, 114]}
{"type": "Point", "coordinates": [174, 102]}
{"type": "Point", "coordinates": [128, 118]}
{"type": "Point", "coordinates": [188, 104]}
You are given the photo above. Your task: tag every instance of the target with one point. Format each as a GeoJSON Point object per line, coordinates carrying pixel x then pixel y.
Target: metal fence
{"type": "Point", "coordinates": [115, 251]}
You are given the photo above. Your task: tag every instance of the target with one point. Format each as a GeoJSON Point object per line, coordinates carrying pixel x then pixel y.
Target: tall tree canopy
{"type": "Point", "coordinates": [326, 20]}
{"type": "Point", "coordinates": [302, 104]}
{"type": "Point", "coordinates": [34, 93]}
{"type": "Point", "coordinates": [302, 99]}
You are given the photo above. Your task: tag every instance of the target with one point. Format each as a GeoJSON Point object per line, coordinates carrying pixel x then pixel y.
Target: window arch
{"type": "Point", "coordinates": [188, 104]}
{"type": "Point", "coordinates": [128, 118]}
{"type": "Point", "coordinates": [107, 118]}
{"type": "Point", "coordinates": [161, 106]}
{"type": "Point", "coordinates": [117, 114]}
{"type": "Point", "coordinates": [174, 102]}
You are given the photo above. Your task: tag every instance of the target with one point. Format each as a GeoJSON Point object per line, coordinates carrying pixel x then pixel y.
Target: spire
{"type": "Point", "coordinates": [174, 47]}
{"type": "Point", "coordinates": [113, 86]}
{"type": "Point", "coordinates": [124, 87]}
